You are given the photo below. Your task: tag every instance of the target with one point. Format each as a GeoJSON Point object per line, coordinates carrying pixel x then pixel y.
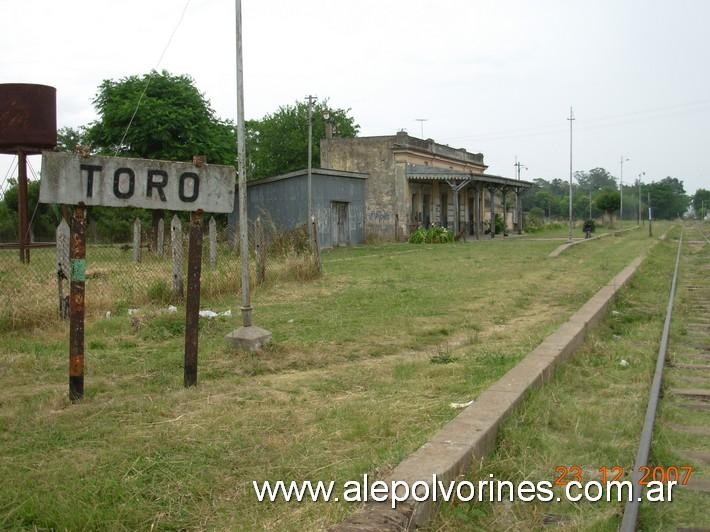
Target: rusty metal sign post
{"type": "Point", "coordinates": [77, 268]}
{"type": "Point", "coordinates": [124, 182]}
{"type": "Point", "coordinates": [192, 306]}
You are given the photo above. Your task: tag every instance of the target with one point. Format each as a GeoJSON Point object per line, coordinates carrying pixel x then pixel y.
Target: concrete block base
{"type": "Point", "coordinates": [249, 338]}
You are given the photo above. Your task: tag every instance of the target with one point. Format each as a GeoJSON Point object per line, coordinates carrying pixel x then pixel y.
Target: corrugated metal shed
{"type": "Point", "coordinates": [338, 203]}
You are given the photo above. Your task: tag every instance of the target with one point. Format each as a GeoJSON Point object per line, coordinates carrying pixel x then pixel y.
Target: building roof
{"type": "Point", "coordinates": [314, 171]}
{"type": "Point", "coordinates": [428, 173]}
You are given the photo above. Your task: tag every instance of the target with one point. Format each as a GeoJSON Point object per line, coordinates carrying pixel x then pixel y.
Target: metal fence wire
{"type": "Point", "coordinates": [149, 270]}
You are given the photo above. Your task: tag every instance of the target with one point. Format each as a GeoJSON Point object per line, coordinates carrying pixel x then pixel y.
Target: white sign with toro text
{"type": "Point", "coordinates": [124, 182]}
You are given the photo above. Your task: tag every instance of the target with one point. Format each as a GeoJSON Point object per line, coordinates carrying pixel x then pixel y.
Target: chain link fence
{"type": "Point", "coordinates": [149, 270]}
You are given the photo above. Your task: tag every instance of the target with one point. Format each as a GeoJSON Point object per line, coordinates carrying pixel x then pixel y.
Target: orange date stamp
{"type": "Point", "coordinates": [674, 473]}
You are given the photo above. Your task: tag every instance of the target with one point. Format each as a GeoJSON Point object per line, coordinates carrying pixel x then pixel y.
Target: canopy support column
{"type": "Point", "coordinates": [492, 192]}
{"type": "Point", "coordinates": [456, 187]}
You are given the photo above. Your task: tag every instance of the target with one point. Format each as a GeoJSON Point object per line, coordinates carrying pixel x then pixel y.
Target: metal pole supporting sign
{"type": "Point", "coordinates": [77, 268]}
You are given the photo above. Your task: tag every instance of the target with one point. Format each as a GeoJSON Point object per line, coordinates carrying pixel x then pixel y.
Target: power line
{"type": "Point", "coordinates": [150, 77]}
{"type": "Point", "coordinates": [592, 123]}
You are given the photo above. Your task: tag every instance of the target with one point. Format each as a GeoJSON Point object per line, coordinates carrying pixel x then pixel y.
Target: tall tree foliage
{"type": "Point", "coordinates": [551, 197]}
{"type": "Point", "coordinates": [701, 202]}
{"type": "Point", "coordinates": [608, 200]}
{"type": "Point", "coordinates": [155, 116]}
{"type": "Point", "coordinates": [278, 143]}
{"type": "Point", "coordinates": [668, 198]}
{"type": "Point", "coordinates": [173, 120]}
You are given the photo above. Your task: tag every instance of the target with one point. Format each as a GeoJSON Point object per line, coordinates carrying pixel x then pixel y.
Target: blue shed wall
{"type": "Point", "coordinates": [284, 203]}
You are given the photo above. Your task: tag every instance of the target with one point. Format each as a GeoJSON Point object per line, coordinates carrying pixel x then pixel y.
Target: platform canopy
{"type": "Point", "coordinates": [421, 172]}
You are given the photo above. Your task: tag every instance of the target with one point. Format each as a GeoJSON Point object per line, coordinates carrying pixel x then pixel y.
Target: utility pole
{"type": "Point", "coordinates": [571, 119]}
{"type": "Point", "coordinates": [621, 188]}
{"type": "Point", "coordinates": [310, 99]}
{"type": "Point", "coordinates": [518, 165]}
{"type": "Point", "coordinates": [421, 125]}
{"type": "Point", "coordinates": [640, 218]}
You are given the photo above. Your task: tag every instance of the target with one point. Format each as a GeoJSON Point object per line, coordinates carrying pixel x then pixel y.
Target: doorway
{"type": "Point", "coordinates": [341, 228]}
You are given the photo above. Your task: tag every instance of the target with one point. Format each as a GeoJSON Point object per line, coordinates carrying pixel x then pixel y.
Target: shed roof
{"type": "Point", "coordinates": [314, 171]}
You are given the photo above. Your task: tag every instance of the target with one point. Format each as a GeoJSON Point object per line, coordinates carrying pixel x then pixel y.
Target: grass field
{"type": "Point", "coordinates": [364, 365]}
{"type": "Point", "coordinates": [590, 415]}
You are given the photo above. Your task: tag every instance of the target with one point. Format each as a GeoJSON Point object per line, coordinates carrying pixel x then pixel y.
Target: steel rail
{"type": "Point", "coordinates": [631, 510]}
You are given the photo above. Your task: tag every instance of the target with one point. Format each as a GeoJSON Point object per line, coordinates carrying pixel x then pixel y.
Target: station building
{"type": "Point", "coordinates": [414, 182]}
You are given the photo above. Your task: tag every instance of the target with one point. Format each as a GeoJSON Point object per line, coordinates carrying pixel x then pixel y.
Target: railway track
{"type": "Point", "coordinates": [678, 413]}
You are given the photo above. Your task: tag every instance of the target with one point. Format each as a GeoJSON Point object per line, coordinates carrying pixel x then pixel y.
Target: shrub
{"type": "Point", "coordinates": [434, 235]}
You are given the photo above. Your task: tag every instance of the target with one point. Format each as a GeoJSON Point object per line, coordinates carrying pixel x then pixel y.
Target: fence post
{"type": "Point", "coordinates": [62, 266]}
{"type": "Point", "coordinates": [213, 242]}
{"type": "Point", "coordinates": [137, 240]}
{"type": "Point", "coordinates": [161, 238]}
{"type": "Point", "coordinates": [234, 237]}
{"type": "Point", "coordinates": [314, 244]}
{"type": "Point", "coordinates": [176, 243]}
{"type": "Point", "coordinates": [259, 251]}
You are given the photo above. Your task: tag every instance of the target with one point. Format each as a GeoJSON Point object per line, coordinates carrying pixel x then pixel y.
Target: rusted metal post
{"type": "Point", "coordinates": [23, 226]}
{"type": "Point", "coordinates": [77, 265]}
{"type": "Point", "coordinates": [192, 306]}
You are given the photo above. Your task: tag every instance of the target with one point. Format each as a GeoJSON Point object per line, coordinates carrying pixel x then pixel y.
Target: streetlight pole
{"type": "Point", "coordinates": [310, 99]}
{"type": "Point", "coordinates": [241, 169]}
{"type": "Point", "coordinates": [571, 119]}
{"type": "Point", "coordinates": [640, 218]}
{"type": "Point", "coordinates": [248, 336]}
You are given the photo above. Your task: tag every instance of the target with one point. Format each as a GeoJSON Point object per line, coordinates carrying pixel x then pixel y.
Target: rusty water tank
{"type": "Point", "coordinates": [28, 117]}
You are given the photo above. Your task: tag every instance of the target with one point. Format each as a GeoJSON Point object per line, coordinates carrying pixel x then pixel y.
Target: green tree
{"type": "Point", "coordinates": [43, 218]}
{"type": "Point", "coordinates": [596, 179]}
{"type": "Point", "coordinates": [155, 116]}
{"type": "Point", "coordinates": [608, 200]}
{"type": "Point", "coordinates": [173, 120]}
{"type": "Point", "coordinates": [701, 202]}
{"type": "Point", "coordinates": [278, 143]}
{"type": "Point", "coordinates": [668, 198]}
{"type": "Point", "coordinates": [68, 138]}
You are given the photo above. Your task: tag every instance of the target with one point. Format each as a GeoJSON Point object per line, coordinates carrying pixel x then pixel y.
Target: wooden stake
{"type": "Point", "coordinates": [176, 243]}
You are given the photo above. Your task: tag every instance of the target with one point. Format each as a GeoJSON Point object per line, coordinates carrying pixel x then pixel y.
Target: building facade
{"type": "Point", "coordinates": [414, 182]}
{"type": "Point", "coordinates": [338, 203]}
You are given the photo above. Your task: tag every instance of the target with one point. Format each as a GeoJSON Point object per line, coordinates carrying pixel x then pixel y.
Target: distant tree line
{"type": "Point", "coordinates": [595, 193]}
{"type": "Point", "coordinates": [174, 121]}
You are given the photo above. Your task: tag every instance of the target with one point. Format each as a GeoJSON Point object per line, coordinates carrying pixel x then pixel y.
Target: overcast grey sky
{"type": "Point", "coordinates": [493, 76]}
